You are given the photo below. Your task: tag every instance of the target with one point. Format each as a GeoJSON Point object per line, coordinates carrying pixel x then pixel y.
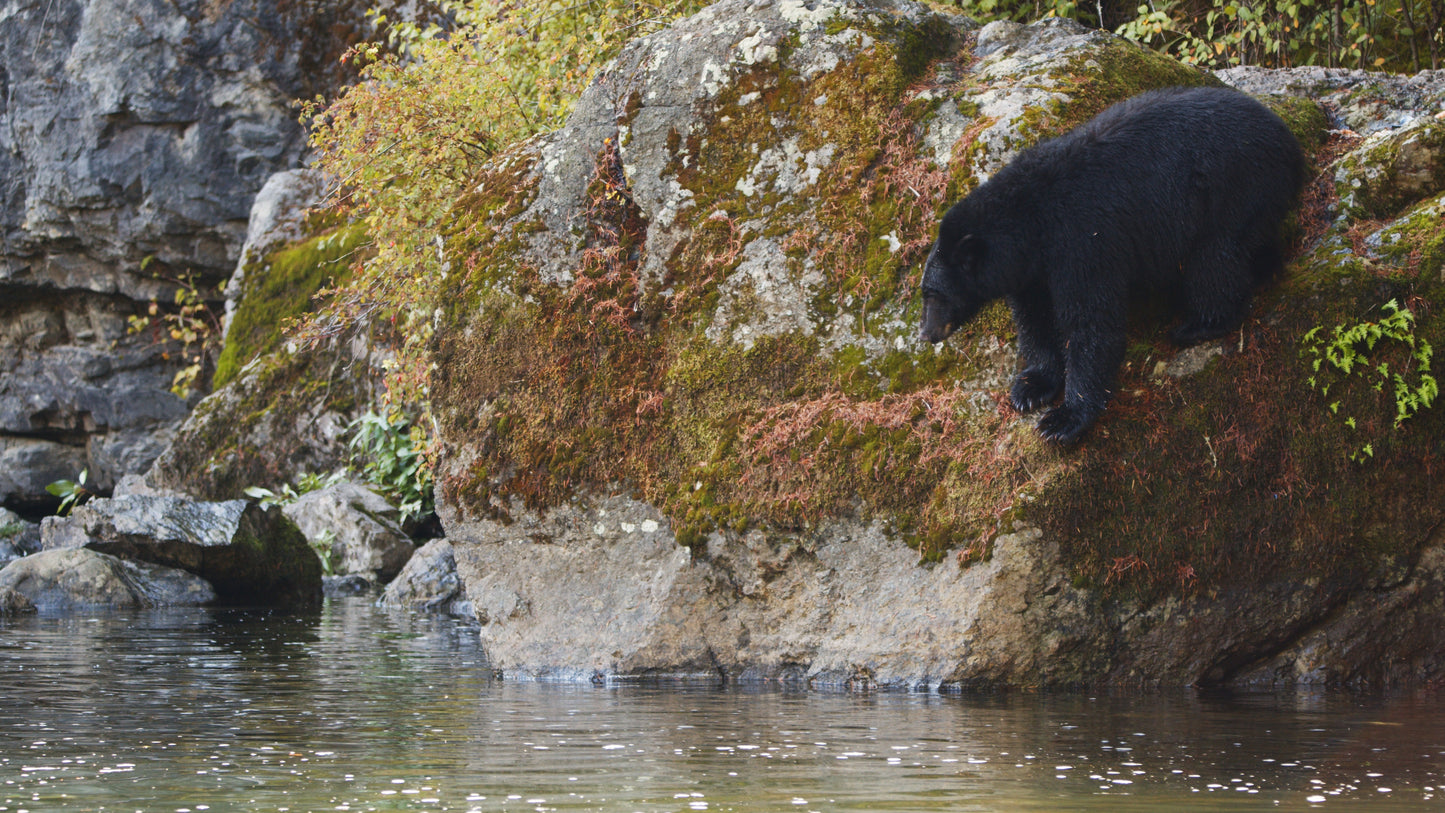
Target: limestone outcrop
{"type": "Point", "coordinates": [133, 137]}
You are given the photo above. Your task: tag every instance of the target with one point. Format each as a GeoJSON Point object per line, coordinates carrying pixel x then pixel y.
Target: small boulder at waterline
{"type": "Point", "coordinates": [251, 555]}
{"type": "Point", "coordinates": [15, 603]}
{"type": "Point", "coordinates": [355, 528]}
{"type": "Point", "coordinates": [77, 578]}
{"type": "Point", "coordinates": [429, 582]}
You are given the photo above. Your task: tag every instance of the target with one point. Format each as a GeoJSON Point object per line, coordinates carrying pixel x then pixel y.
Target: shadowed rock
{"type": "Point", "coordinates": [356, 528]}
{"type": "Point", "coordinates": [253, 556]}
{"type": "Point", "coordinates": [429, 582]}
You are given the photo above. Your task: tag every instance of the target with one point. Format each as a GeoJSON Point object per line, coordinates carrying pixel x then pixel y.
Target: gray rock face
{"type": "Point", "coordinates": [68, 408]}
{"type": "Point", "coordinates": [17, 537]}
{"type": "Point", "coordinates": [357, 526]}
{"type": "Point", "coordinates": [136, 128]}
{"type": "Point", "coordinates": [74, 579]}
{"type": "Point", "coordinates": [429, 583]}
{"type": "Point", "coordinates": [132, 132]}
{"type": "Point", "coordinates": [601, 589]}
{"type": "Point", "coordinates": [251, 555]}
{"type": "Point", "coordinates": [604, 589]}
{"type": "Point", "coordinates": [1362, 101]}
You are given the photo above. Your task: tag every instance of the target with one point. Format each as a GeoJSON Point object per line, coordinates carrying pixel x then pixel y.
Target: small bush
{"type": "Point", "coordinates": [387, 447]}
{"type": "Point", "coordinates": [408, 138]}
{"type": "Point", "coordinates": [1385, 357]}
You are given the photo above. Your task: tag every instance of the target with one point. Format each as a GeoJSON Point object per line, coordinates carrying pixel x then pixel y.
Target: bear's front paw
{"type": "Point", "coordinates": [1063, 425]}
{"type": "Point", "coordinates": [1034, 388]}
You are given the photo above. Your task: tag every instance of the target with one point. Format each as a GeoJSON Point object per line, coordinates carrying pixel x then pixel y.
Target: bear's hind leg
{"type": "Point", "coordinates": [1217, 285]}
{"type": "Point", "coordinates": [1043, 376]}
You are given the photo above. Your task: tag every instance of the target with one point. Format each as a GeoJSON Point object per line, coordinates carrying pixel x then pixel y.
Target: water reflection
{"type": "Point", "coordinates": [353, 709]}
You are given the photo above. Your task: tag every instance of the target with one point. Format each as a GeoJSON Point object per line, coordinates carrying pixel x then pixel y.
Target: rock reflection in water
{"type": "Point", "coordinates": [355, 709]}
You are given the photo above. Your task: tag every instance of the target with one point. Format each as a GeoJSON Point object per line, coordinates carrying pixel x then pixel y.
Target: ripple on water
{"type": "Point", "coordinates": [355, 709]}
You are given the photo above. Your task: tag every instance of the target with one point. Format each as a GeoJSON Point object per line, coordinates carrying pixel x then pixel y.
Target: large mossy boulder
{"type": "Point", "coordinates": [686, 427]}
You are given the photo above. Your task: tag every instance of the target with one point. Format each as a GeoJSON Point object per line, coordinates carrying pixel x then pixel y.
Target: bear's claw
{"type": "Point", "coordinates": [1064, 425]}
{"type": "Point", "coordinates": [1034, 389]}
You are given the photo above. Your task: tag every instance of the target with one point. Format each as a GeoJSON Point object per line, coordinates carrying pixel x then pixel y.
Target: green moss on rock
{"type": "Point", "coordinates": [1415, 243]}
{"type": "Point", "coordinates": [1304, 117]}
{"type": "Point", "coordinates": [281, 286]}
{"type": "Point", "coordinates": [1112, 72]}
{"type": "Point", "coordinates": [1394, 171]}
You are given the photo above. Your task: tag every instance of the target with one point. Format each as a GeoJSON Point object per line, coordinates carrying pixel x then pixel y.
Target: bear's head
{"type": "Point", "coordinates": [951, 291]}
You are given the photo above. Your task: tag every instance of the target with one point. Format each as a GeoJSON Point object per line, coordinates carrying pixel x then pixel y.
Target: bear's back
{"type": "Point", "coordinates": [1209, 133]}
{"type": "Point", "coordinates": [1145, 179]}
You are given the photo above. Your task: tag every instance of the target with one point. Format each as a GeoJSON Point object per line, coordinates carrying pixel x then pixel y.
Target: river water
{"type": "Point", "coordinates": [356, 709]}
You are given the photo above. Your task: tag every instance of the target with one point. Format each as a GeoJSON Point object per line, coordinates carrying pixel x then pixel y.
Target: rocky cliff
{"type": "Point", "coordinates": [686, 427]}
{"type": "Point", "coordinates": [133, 137]}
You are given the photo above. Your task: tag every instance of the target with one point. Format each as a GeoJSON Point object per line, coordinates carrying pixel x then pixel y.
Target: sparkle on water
{"type": "Point", "coordinates": [355, 709]}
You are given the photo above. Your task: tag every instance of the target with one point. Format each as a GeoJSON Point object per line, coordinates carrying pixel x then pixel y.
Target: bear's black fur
{"type": "Point", "coordinates": [1181, 190]}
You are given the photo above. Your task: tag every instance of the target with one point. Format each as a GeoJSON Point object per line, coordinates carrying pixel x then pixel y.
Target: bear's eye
{"type": "Point", "coordinates": [969, 249]}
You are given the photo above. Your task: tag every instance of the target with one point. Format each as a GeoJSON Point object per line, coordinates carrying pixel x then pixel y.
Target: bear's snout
{"type": "Point", "coordinates": [937, 324]}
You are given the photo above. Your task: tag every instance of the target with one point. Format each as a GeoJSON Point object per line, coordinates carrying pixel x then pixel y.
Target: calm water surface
{"type": "Point", "coordinates": [354, 709]}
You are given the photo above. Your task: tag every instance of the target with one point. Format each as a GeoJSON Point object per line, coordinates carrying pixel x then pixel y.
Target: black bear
{"type": "Point", "coordinates": [1180, 190]}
